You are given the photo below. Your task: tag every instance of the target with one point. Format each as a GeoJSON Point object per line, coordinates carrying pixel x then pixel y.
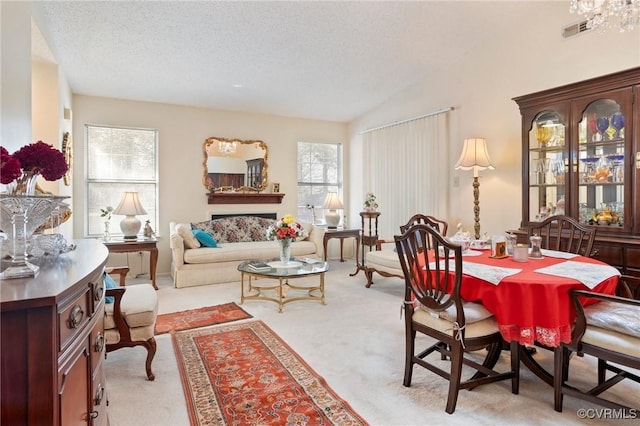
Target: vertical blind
{"type": "Point", "coordinates": [407, 167]}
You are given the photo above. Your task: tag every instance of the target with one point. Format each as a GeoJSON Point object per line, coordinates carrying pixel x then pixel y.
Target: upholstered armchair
{"type": "Point", "coordinates": [130, 318]}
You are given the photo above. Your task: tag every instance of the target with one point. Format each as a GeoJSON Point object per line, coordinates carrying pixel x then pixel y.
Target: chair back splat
{"type": "Point", "coordinates": [564, 233]}
{"type": "Point", "coordinates": [432, 268]}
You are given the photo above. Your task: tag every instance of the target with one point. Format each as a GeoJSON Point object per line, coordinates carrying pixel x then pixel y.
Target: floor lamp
{"type": "Point", "coordinates": [475, 157]}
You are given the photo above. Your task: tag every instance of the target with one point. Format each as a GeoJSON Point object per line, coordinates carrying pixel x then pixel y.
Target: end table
{"type": "Point", "coordinates": [122, 246]}
{"type": "Point", "coordinates": [342, 234]}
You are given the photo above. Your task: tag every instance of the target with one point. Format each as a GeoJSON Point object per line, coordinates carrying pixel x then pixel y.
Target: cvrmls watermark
{"type": "Point", "coordinates": [608, 413]}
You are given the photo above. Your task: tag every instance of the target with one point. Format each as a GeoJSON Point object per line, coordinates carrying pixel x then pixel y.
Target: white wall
{"type": "Point", "coordinates": [480, 88]}
{"type": "Point", "coordinates": [182, 133]}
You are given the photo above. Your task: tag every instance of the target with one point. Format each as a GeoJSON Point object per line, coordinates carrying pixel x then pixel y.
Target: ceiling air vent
{"type": "Point", "coordinates": [575, 29]}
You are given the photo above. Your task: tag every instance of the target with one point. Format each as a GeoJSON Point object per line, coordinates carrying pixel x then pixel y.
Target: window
{"type": "Point", "coordinates": [319, 171]}
{"type": "Point", "coordinates": [120, 160]}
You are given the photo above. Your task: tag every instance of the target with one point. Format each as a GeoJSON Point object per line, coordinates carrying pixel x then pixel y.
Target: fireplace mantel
{"type": "Point", "coordinates": [244, 198]}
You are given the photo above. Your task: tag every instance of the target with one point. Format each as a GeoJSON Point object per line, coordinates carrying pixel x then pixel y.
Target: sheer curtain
{"type": "Point", "coordinates": [407, 166]}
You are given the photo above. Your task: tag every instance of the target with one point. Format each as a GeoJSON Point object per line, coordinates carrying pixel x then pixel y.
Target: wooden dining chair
{"type": "Point", "coordinates": [433, 307]}
{"type": "Point", "coordinates": [608, 330]}
{"type": "Point", "coordinates": [384, 262]}
{"type": "Point", "coordinates": [564, 233]}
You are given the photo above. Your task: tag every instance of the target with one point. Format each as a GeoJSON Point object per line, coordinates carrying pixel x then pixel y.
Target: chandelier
{"type": "Point", "coordinates": [606, 13]}
{"type": "Point", "coordinates": [226, 147]}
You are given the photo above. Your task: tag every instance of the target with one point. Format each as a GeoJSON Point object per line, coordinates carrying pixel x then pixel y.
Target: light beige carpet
{"type": "Point", "coordinates": [356, 342]}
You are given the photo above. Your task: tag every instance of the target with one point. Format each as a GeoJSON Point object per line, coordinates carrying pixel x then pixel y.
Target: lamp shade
{"type": "Point", "coordinates": [332, 202]}
{"type": "Point", "coordinates": [474, 156]}
{"type": "Point", "coordinates": [130, 206]}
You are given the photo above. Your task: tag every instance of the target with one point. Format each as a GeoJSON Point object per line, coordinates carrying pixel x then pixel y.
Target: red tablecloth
{"type": "Point", "coordinates": [530, 306]}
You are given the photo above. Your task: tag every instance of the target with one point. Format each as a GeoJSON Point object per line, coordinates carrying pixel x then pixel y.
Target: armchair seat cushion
{"type": "Point", "coordinates": [612, 340]}
{"type": "Point", "coordinates": [139, 308]}
{"type": "Point", "coordinates": [479, 323]}
{"type": "Point", "coordinates": [383, 258]}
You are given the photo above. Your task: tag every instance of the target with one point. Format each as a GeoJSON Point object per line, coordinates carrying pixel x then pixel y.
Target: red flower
{"type": "Point", "coordinates": [9, 167]}
{"type": "Point", "coordinates": [43, 159]}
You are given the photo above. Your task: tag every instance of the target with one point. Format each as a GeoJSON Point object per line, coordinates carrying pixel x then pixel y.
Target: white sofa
{"type": "Point", "coordinates": [239, 238]}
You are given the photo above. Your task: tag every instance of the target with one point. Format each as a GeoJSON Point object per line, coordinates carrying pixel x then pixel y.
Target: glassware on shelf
{"type": "Point", "coordinates": [557, 169]}
{"type": "Point", "coordinates": [593, 129]}
{"type": "Point", "coordinates": [603, 170]}
{"type": "Point", "coordinates": [617, 123]}
{"type": "Point", "coordinates": [543, 134]}
{"type": "Point", "coordinates": [542, 167]}
{"type": "Point", "coordinates": [588, 175]}
{"type": "Point", "coordinates": [617, 166]}
{"type": "Point", "coordinates": [602, 124]}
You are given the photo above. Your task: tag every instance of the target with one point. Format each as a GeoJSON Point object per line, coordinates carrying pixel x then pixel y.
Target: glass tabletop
{"type": "Point", "coordinates": [296, 267]}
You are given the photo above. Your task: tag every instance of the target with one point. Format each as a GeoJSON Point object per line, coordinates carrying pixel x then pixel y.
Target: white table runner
{"type": "Point", "coordinates": [557, 254]}
{"type": "Point", "coordinates": [490, 274]}
{"type": "Point", "coordinates": [588, 274]}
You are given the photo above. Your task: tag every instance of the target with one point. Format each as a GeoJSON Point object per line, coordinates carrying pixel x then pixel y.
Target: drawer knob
{"type": "Point", "coordinates": [99, 342]}
{"type": "Point", "coordinates": [99, 394]}
{"type": "Point", "coordinates": [98, 292]}
{"type": "Point", "coordinates": [76, 316]}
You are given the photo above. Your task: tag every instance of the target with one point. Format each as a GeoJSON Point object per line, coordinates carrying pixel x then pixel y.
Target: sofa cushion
{"type": "Point", "coordinates": [231, 252]}
{"type": "Point", "coordinates": [236, 229]}
{"type": "Point", "coordinates": [205, 238]}
{"type": "Point", "coordinates": [184, 230]}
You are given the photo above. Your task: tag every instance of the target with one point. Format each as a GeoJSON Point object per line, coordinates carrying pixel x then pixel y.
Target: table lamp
{"type": "Point", "coordinates": [130, 207]}
{"type": "Point", "coordinates": [475, 157]}
{"type": "Point", "coordinates": [332, 202]}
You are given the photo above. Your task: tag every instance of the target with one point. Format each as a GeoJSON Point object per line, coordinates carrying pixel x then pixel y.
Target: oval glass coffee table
{"type": "Point", "coordinates": [295, 268]}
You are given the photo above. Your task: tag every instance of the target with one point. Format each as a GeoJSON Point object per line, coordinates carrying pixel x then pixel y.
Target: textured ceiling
{"type": "Point", "coordinates": [321, 60]}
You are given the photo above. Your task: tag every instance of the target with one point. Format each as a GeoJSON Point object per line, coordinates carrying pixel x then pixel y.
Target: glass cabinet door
{"type": "Point", "coordinates": [600, 162]}
{"type": "Point", "coordinates": [548, 166]}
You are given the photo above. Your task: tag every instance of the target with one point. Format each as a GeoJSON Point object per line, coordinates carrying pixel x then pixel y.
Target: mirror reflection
{"type": "Point", "coordinates": [235, 165]}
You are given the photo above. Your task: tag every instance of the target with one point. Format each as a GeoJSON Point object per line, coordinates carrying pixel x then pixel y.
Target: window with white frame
{"type": "Point", "coordinates": [119, 160]}
{"type": "Point", "coordinates": [319, 171]}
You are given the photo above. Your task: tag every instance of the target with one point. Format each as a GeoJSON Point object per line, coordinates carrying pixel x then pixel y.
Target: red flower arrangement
{"type": "Point", "coordinates": [36, 158]}
{"type": "Point", "coordinates": [9, 167]}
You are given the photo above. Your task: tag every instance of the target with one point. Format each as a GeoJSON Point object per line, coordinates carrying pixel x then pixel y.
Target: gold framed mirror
{"type": "Point", "coordinates": [234, 165]}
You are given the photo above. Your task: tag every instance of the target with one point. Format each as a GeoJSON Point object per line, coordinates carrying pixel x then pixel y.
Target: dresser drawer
{"type": "Point", "coordinates": [97, 341]}
{"type": "Point", "coordinates": [74, 317]}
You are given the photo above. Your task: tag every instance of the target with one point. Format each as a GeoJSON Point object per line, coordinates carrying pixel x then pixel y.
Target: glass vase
{"type": "Point", "coordinates": [107, 233]}
{"type": "Point", "coordinates": [285, 250]}
{"type": "Point", "coordinates": [21, 216]}
{"type": "Point", "coordinates": [24, 185]}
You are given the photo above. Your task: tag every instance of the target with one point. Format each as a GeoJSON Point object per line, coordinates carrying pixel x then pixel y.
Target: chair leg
{"type": "Point", "coordinates": [408, 361]}
{"type": "Point", "coordinates": [151, 352]}
{"type": "Point", "coordinates": [602, 371]}
{"type": "Point", "coordinates": [560, 371]}
{"type": "Point", "coordinates": [454, 379]}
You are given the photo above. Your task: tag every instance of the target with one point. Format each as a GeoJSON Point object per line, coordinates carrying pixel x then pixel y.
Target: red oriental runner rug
{"type": "Point", "coordinates": [244, 374]}
{"type": "Point", "coordinates": [201, 317]}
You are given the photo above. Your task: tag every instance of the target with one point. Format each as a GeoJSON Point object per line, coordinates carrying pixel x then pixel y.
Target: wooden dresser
{"type": "Point", "coordinates": [52, 349]}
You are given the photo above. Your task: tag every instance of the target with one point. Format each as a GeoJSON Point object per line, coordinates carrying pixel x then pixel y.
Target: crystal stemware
{"type": "Point", "coordinates": [589, 168]}
{"type": "Point", "coordinates": [602, 124]}
{"type": "Point", "coordinates": [617, 162]}
{"type": "Point", "coordinates": [617, 123]}
{"type": "Point", "coordinates": [593, 129]}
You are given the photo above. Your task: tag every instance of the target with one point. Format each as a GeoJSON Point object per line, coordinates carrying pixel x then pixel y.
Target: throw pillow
{"type": "Point", "coordinates": [184, 231]}
{"type": "Point", "coordinates": [308, 227]}
{"type": "Point", "coordinates": [205, 238]}
{"type": "Point", "coordinates": [109, 283]}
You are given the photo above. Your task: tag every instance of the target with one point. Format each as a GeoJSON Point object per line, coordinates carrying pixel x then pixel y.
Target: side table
{"type": "Point", "coordinates": [122, 246]}
{"type": "Point", "coordinates": [341, 234]}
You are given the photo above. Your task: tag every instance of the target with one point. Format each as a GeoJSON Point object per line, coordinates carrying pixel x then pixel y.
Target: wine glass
{"type": "Point", "coordinates": [589, 168]}
{"type": "Point", "coordinates": [617, 122]}
{"type": "Point", "coordinates": [617, 162]}
{"type": "Point", "coordinates": [542, 167]}
{"type": "Point", "coordinates": [602, 124]}
{"type": "Point", "coordinates": [593, 129]}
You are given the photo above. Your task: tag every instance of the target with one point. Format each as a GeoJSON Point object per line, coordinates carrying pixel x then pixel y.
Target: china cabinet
{"type": "Point", "coordinates": [53, 343]}
{"type": "Point", "coordinates": [581, 158]}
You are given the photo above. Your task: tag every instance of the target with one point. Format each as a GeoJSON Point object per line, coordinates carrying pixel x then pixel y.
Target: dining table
{"type": "Point", "coordinates": [530, 299]}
